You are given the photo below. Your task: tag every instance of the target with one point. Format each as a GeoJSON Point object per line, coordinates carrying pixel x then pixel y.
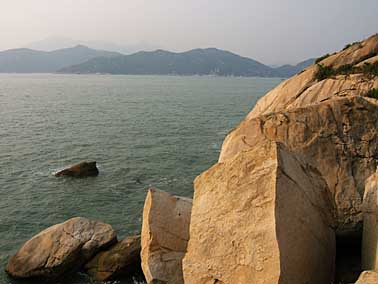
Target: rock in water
{"type": "Point", "coordinates": [121, 259]}
{"type": "Point", "coordinates": [83, 169]}
{"type": "Point", "coordinates": [60, 248]}
{"type": "Point", "coordinates": [165, 234]}
{"type": "Point", "coordinates": [261, 217]}
{"type": "Point", "coordinates": [370, 228]}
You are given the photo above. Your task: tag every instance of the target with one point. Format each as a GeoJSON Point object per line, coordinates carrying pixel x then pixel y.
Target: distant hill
{"type": "Point", "coordinates": [83, 60]}
{"type": "Point", "coordinates": [209, 61]}
{"type": "Point", "coordinates": [25, 60]}
{"type": "Point", "coordinates": [54, 43]}
{"type": "Point", "coordinates": [291, 70]}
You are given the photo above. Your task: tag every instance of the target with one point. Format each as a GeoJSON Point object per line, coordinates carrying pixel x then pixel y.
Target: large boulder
{"type": "Point", "coordinates": [121, 259]}
{"type": "Point", "coordinates": [337, 137]}
{"type": "Point", "coordinates": [368, 277]}
{"type": "Point", "coordinates": [60, 248]}
{"type": "Point", "coordinates": [83, 169]}
{"type": "Point", "coordinates": [261, 217]}
{"type": "Point", "coordinates": [165, 234]}
{"type": "Point", "coordinates": [370, 228]}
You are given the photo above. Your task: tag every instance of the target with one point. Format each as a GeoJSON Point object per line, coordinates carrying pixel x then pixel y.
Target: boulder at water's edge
{"type": "Point", "coordinates": [61, 248]}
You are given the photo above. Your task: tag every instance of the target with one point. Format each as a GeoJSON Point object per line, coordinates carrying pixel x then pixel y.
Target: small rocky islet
{"type": "Point", "coordinates": [295, 180]}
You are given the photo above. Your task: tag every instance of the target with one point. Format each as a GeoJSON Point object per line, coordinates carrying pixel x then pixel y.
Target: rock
{"type": "Point", "coordinates": [165, 234]}
{"type": "Point", "coordinates": [60, 248]}
{"type": "Point", "coordinates": [368, 277]}
{"type": "Point", "coordinates": [370, 228]}
{"type": "Point", "coordinates": [121, 259]}
{"type": "Point", "coordinates": [303, 89]}
{"type": "Point", "coordinates": [338, 137]}
{"type": "Point", "coordinates": [83, 169]}
{"type": "Point", "coordinates": [261, 217]}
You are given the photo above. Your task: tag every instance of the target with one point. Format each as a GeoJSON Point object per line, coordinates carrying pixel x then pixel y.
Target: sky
{"type": "Point", "coordinates": [270, 31]}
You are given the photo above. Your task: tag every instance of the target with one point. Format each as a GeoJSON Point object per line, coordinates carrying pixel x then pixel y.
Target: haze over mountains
{"type": "Point", "coordinates": [56, 42]}
{"type": "Point", "coordinates": [24, 60]}
{"type": "Point", "coordinates": [83, 60]}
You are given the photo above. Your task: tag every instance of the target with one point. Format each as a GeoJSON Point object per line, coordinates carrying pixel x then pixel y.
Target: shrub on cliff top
{"type": "Point", "coordinates": [324, 72]}
{"type": "Point", "coordinates": [350, 44]}
{"type": "Point", "coordinates": [321, 58]}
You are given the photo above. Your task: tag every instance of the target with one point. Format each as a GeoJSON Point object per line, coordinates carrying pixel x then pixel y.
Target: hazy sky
{"type": "Point", "coordinates": [271, 31]}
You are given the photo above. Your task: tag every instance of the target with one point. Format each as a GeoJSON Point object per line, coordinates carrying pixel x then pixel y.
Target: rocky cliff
{"type": "Point", "coordinates": [294, 189]}
{"type": "Point", "coordinates": [290, 179]}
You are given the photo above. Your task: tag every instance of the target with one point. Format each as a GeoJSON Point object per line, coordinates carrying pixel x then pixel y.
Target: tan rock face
{"type": "Point", "coordinates": [83, 169]}
{"type": "Point", "coordinates": [165, 234]}
{"type": "Point", "coordinates": [121, 259]}
{"type": "Point", "coordinates": [370, 228]}
{"type": "Point", "coordinates": [261, 217]}
{"type": "Point", "coordinates": [368, 277]}
{"type": "Point", "coordinates": [303, 89]}
{"type": "Point", "coordinates": [60, 248]}
{"type": "Point", "coordinates": [337, 137]}
{"type": "Point", "coordinates": [354, 53]}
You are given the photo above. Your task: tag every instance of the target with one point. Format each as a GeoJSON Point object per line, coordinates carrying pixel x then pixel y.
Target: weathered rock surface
{"type": "Point", "coordinates": [83, 169]}
{"type": "Point", "coordinates": [304, 89]}
{"type": "Point", "coordinates": [289, 177]}
{"type": "Point", "coordinates": [368, 277]}
{"type": "Point", "coordinates": [338, 137]}
{"type": "Point", "coordinates": [165, 234]}
{"type": "Point", "coordinates": [60, 248]}
{"type": "Point", "coordinates": [261, 217]}
{"type": "Point", "coordinates": [121, 259]}
{"type": "Point", "coordinates": [370, 228]}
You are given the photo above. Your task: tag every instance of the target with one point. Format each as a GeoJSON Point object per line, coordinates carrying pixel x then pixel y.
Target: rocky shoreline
{"type": "Point", "coordinates": [296, 180]}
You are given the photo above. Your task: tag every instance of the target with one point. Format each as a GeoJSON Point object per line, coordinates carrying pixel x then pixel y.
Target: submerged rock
{"type": "Point", "coordinates": [165, 234]}
{"type": "Point", "coordinates": [83, 169]}
{"type": "Point", "coordinates": [60, 248]}
{"type": "Point", "coordinates": [262, 217]}
{"type": "Point", "coordinates": [121, 259]}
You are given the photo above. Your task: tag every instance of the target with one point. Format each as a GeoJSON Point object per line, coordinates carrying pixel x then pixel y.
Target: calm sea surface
{"type": "Point", "coordinates": [143, 131]}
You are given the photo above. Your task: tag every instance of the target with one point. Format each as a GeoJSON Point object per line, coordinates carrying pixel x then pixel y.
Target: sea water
{"type": "Point", "coordinates": [143, 131]}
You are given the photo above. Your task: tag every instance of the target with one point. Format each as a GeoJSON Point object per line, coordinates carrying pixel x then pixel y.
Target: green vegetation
{"type": "Point", "coordinates": [345, 70]}
{"type": "Point", "coordinates": [350, 44]}
{"type": "Point", "coordinates": [347, 46]}
{"type": "Point", "coordinates": [324, 72]}
{"type": "Point", "coordinates": [367, 56]}
{"type": "Point", "coordinates": [372, 93]}
{"type": "Point", "coordinates": [368, 69]}
{"type": "Point", "coordinates": [321, 58]}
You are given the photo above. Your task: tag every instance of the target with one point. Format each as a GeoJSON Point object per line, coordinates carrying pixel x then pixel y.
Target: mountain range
{"type": "Point", "coordinates": [83, 60]}
{"type": "Point", "coordinates": [24, 60]}
{"type": "Point", "coordinates": [55, 42]}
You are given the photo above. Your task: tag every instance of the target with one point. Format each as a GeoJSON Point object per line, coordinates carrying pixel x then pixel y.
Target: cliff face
{"type": "Point", "coordinates": [290, 178]}
{"type": "Point", "coordinates": [330, 121]}
{"type": "Point", "coordinates": [337, 137]}
{"type": "Point", "coordinates": [304, 89]}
